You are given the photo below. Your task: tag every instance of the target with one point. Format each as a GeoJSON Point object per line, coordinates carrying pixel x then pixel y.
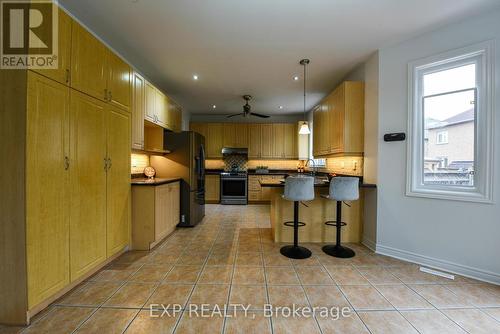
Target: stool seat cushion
{"type": "Point", "coordinates": [344, 188]}
{"type": "Point", "coordinates": [299, 188]}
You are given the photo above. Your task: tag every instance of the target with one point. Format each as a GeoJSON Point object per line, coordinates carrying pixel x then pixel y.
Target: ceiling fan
{"type": "Point", "coordinates": [247, 109]}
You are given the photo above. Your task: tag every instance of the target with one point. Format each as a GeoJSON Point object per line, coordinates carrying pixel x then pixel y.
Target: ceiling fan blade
{"type": "Point", "coordinates": [259, 115]}
{"type": "Point", "coordinates": [242, 113]}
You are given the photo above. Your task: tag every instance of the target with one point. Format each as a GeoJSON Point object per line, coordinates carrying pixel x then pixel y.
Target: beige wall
{"type": "Point", "coordinates": [460, 143]}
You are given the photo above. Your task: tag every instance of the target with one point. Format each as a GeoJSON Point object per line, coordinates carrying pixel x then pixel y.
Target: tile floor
{"type": "Point", "coordinates": [230, 259]}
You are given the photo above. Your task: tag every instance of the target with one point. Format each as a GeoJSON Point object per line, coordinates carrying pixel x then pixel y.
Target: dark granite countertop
{"type": "Point", "coordinates": [253, 172]}
{"type": "Point", "coordinates": [279, 184]}
{"type": "Point", "coordinates": [153, 182]}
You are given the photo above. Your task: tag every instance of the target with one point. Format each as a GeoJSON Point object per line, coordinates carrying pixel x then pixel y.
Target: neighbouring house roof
{"type": "Point", "coordinates": [463, 117]}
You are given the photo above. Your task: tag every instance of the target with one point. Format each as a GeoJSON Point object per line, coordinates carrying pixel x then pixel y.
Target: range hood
{"type": "Point", "coordinates": [234, 150]}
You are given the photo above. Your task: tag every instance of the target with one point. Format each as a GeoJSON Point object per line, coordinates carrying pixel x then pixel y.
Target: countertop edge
{"type": "Point", "coordinates": [156, 183]}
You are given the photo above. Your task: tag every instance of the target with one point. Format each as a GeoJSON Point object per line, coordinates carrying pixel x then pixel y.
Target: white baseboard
{"type": "Point", "coordinates": [443, 265]}
{"type": "Point", "coordinates": [369, 243]}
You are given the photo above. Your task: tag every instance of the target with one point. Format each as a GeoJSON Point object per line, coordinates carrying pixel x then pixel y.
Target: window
{"type": "Point", "coordinates": [442, 137]}
{"type": "Point", "coordinates": [450, 127]}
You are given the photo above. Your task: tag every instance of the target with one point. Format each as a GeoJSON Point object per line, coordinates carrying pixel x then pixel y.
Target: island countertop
{"type": "Point", "coordinates": [279, 184]}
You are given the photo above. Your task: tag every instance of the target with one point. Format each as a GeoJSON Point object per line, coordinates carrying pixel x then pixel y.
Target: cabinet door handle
{"type": "Point", "coordinates": [105, 94]}
{"type": "Point", "coordinates": [109, 163]}
{"type": "Point", "coordinates": [110, 96]}
{"type": "Point", "coordinates": [106, 164]}
{"type": "Point", "coordinates": [66, 163]}
{"type": "Point", "coordinates": [67, 75]}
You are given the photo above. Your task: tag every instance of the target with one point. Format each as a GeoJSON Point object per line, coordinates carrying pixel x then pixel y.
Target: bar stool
{"type": "Point", "coordinates": [297, 189]}
{"type": "Point", "coordinates": [341, 189]}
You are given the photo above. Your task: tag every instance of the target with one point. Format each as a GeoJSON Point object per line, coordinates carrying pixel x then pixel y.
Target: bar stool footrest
{"type": "Point", "coordinates": [291, 224]}
{"type": "Point", "coordinates": [334, 223]}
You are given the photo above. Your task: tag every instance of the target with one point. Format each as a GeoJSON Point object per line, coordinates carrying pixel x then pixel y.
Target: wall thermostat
{"type": "Point", "coordinates": [399, 136]}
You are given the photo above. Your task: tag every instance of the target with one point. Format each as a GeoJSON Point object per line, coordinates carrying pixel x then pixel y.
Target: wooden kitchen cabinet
{"type": "Point", "coordinates": [267, 143]}
{"type": "Point", "coordinates": [89, 72]}
{"type": "Point", "coordinates": [138, 111]}
{"type": "Point", "coordinates": [118, 180]}
{"type": "Point", "coordinates": [97, 71]}
{"type": "Point", "coordinates": [201, 128]}
{"type": "Point", "coordinates": [290, 142]}
{"type": "Point", "coordinates": [212, 188]}
{"type": "Point", "coordinates": [235, 135]}
{"type": "Point", "coordinates": [339, 121]}
{"type": "Point", "coordinates": [61, 74]}
{"type": "Point", "coordinates": [150, 103]}
{"type": "Point", "coordinates": [214, 140]}
{"type": "Point", "coordinates": [155, 213]}
{"type": "Point", "coordinates": [257, 193]}
{"type": "Point", "coordinates": [175, 116]}
{"type": "Point", "coordinates": [254, 141]}
{"type": "Point", "coordinates": [47, 200]}
{"type": "Point", "coordinates": [118, 84]}
{"type": "Point", "coordinates": [88, 184]}
{"type": "Point", "coordinates": [279, 140]}
{"type": "Point", "coordinates": [161, 109]}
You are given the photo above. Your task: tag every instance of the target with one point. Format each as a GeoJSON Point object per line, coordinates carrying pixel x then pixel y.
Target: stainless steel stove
{"type": "Point", "coordinates": [234, 187]}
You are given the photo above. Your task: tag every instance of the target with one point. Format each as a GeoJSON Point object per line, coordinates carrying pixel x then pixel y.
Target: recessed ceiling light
{"type": "Point", "coordinates": [281, 107]}
{"type": "Point", "coordinates": [296, 78]}
{"type": "Point", "coordinates": [214, 106]}
{"type": "Point", "coordinates": [195, 77]}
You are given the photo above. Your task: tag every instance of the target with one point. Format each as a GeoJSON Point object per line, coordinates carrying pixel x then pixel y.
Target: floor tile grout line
{"type": "Point", "coordinates": [343, 294]}
{"type": "Point", "coordinates": [265, 284]}
{"type": "Point", "coordinates": [149, 297]}
{"type": "Point", "coordinates": [104, 302]}
{"type": "Point", "coordinates": [437, 308]}
{"type": "Point", "coordinates": [196, 282]}
{"type": "Point", "coordinates": [230, 286]}
{"type": "Point", "coordinates": [307, 298]}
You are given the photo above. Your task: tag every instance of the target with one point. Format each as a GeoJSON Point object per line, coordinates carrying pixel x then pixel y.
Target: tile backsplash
{"type": "Point", "coordinates": [252, 164]}
{"type": "Point", "coordinates": [235, 162]}
{"type": "Point", "coordinates": [344, 165]}
{"type": "Point", "coordinates": [138, 162]}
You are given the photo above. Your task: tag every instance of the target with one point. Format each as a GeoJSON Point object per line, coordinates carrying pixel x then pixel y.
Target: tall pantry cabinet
{"type": "Point", "coordinates": [66, 174]}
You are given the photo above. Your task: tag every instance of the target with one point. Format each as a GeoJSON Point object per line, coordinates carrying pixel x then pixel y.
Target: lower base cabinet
{"type": "Point", "coordinates": [258, 194]}
{"type": "Point", "coordinates": [212, 189]}
{"type": "Point", "coordinates": [155, 213]}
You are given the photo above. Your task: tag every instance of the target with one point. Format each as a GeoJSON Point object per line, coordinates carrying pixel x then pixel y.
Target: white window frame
{"type": "Point", "coordinates": [482, 55]}
{"type": "Point", "coordinates": [444, 134]}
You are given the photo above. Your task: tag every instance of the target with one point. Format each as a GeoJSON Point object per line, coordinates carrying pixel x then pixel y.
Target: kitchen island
{"type": "Point", "coordinates": [314, 215]}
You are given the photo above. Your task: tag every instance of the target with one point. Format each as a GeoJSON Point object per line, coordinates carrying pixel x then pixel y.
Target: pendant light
{"type": "Point", "coordinates": [304, 127]}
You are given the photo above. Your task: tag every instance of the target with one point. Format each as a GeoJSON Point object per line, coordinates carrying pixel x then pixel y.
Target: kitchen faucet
{"type": "Point", "coordinates": [314, 171]}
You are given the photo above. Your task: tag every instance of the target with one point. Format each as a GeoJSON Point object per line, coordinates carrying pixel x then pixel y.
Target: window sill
{"type": "Point", "coordinates": [450, 195]}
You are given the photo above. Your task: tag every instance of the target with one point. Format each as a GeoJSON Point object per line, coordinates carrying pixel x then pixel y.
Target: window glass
{"type": "Point", "coordinates": [449, 127]}
{"type": "Point", "coordinates": [453, 79]}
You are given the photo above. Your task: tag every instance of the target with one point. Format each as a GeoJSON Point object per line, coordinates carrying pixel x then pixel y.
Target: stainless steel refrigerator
{"type": "Point", "coordinates": [187, 160]}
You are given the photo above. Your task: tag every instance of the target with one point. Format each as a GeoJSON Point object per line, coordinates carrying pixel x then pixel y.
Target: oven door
{"type": "Point", "coordinates": [233, 190]}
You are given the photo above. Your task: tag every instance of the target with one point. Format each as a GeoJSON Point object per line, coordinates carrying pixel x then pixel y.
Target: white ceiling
{"type": "Point", "coordinates": [253, 47]}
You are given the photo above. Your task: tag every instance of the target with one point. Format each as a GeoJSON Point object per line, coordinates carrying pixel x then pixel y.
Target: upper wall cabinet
{"type": "Point", "coordinates": [264, 141]}
{"type": "Point", "coordinates": [88, 63]}
{"type": "Point", "coordinates": [62, 73]}
{"type": "Point", "coordinates": [97, 71]}
{"type": "Point", "coordinates": [339, 121]}
{"type": "Point", "coordinates": [118, 84]}
{"type": "Point", "coordinates": [138, 111]}
{"type": "Point", "coordinates": [235, 135]}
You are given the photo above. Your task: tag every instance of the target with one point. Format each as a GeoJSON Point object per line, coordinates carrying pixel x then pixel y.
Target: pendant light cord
{"type": "Point", "coordinates": [305, 92]}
